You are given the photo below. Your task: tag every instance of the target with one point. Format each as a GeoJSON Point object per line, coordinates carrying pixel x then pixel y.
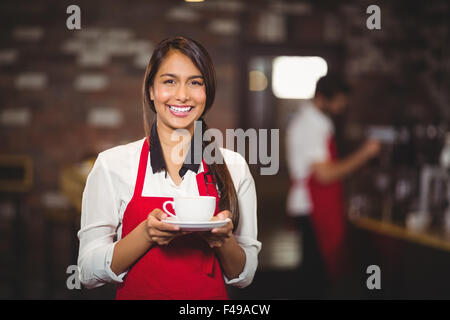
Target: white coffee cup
{"type": "Point", "coordinates": [192, 208]}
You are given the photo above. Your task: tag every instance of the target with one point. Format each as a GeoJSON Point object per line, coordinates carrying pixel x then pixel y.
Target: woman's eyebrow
{"type": "Point", "coordinates": [175, 76]}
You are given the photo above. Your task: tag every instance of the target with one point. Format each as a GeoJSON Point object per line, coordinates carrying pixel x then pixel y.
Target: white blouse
{"type": "Point", "coordinates": [109, 188]}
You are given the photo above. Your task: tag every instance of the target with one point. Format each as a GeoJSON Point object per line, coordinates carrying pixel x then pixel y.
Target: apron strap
{"type": "Point", "coordinates": [142, 169]}
{"type": "Point", "coordinates": [206, 183]}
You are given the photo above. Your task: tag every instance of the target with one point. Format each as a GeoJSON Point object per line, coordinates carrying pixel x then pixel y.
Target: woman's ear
{"type": "Point", "coordinates": [152, 95]}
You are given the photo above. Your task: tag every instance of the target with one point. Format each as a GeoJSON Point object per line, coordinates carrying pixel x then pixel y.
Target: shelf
{"type": "Point", "coordinates": [433, 238]}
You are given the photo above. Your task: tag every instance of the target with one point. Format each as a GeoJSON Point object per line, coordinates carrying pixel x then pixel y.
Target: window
{"type": "Point", "coordinates": [296, 77]}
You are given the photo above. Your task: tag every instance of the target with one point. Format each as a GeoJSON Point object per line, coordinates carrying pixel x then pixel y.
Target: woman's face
{"type": "Point", "coordinates": [178, 92]}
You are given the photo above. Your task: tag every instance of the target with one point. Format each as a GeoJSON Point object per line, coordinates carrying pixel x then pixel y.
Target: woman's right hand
{"type": "Point", "coordinates": [158, 231]}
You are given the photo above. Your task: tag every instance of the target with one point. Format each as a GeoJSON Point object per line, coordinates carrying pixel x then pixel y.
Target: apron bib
{"type": "Point", "coordinates": [187, 268]}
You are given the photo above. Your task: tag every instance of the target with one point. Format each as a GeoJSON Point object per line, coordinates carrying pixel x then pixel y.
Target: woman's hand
{"type": "Point", "coordinates": [160, 232]}
{"type": "Point", "coordinates": [217, 237]}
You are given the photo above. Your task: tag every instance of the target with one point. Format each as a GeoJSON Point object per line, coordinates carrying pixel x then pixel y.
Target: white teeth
{"type": "Point", "coordinates": [178, 109]}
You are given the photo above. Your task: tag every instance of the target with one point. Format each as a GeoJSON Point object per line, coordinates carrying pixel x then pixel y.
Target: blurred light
{"type": "Point", "coordinates": [431, 131]}
{"type": "Point", "coordinates": [183, 14]}
{"type": "Point", "coordinates": [296, 77]}
{"type": "Point", "coordinates": [227, 27]}
{"type": "Point", "coordinates": [31, 81]}
{"type": "Point", "coordinates": [8, 56]}
{"type": "Point", "coordinates": [257, 81]}
{"type": "Point", "coordinates": [105, 117]}
{"type": "Point", "coordinates": [17, 116]}
{"type": "Point", "coordinates": [28, 33]}
{"type": "Point", "coordinates": [271, 27]}
{"type": "Point", "coordinates": [91, 82]}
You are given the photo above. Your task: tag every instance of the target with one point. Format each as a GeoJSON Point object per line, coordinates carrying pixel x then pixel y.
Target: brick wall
{"type": "Point", "coordinates": [69, 94]}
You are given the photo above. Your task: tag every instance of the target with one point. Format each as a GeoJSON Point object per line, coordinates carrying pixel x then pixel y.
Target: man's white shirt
{"type": "Point", "coordinates": [307, 140]}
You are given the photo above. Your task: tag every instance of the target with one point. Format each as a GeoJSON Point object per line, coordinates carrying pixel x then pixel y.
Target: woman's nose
{"type": "Point", "coordinates": [182, 93]}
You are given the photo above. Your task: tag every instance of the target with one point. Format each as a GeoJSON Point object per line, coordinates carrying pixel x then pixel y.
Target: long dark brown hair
{"type": "Point", "coordinates": [201, 59]}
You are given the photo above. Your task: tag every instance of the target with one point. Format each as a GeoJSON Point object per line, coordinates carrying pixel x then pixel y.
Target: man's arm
{"type": "Point", "coordinates": [328, 172]}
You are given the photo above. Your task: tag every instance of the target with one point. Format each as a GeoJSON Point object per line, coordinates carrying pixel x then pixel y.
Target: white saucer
{"type": "Point", "coordinates": [197, 225]}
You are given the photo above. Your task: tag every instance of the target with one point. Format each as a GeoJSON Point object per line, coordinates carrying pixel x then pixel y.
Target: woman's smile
{"type": "Point", "coordinates": [180, 111]}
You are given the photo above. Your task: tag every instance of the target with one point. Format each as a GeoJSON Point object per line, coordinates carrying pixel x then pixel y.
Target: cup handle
{"type": "Point", "coordinates": [167, 211]}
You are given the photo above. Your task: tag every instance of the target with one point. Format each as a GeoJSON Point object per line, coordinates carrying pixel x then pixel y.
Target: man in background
{"type": "Point", "coordinates": [315, 198]}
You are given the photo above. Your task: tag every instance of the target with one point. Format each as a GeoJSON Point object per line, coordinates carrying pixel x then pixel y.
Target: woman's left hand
{"type": "Point", "coordinates": [218, 236]}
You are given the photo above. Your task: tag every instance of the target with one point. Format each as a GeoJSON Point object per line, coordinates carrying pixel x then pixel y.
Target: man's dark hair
{"type": "Point", "coordinates": [331, 85]}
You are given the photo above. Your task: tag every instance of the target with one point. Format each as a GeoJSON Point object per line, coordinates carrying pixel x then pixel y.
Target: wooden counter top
{"type": "Point", "coordinates": [430, 237]}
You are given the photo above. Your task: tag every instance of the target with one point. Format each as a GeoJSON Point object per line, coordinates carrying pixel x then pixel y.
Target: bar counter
{"type": "Point", "coordinates": [432, 237]}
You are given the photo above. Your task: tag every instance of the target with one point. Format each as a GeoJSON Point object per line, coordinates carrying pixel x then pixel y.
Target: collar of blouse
{"type": "Point", "coordinates": [157, 159]}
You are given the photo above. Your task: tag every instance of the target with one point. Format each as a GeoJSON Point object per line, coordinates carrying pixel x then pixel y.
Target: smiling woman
{"type": "Point", "coordinates": [178, 97]}
{"type": "Point", "coordinates": [183, 68]}
{"type": "Point", "coordinates": [151, 258]}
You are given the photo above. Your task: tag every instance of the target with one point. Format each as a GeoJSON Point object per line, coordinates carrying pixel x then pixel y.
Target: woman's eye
{"type": "Point", "coordinates": [197, 83]}
{"type": "Point", "coordinates": [169, 81]}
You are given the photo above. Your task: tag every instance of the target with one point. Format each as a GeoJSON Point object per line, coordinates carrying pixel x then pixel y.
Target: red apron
{"type": "Point", "coordinates": [185, 269]}
{"type": "Point", "coordinates": [327, 218]}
